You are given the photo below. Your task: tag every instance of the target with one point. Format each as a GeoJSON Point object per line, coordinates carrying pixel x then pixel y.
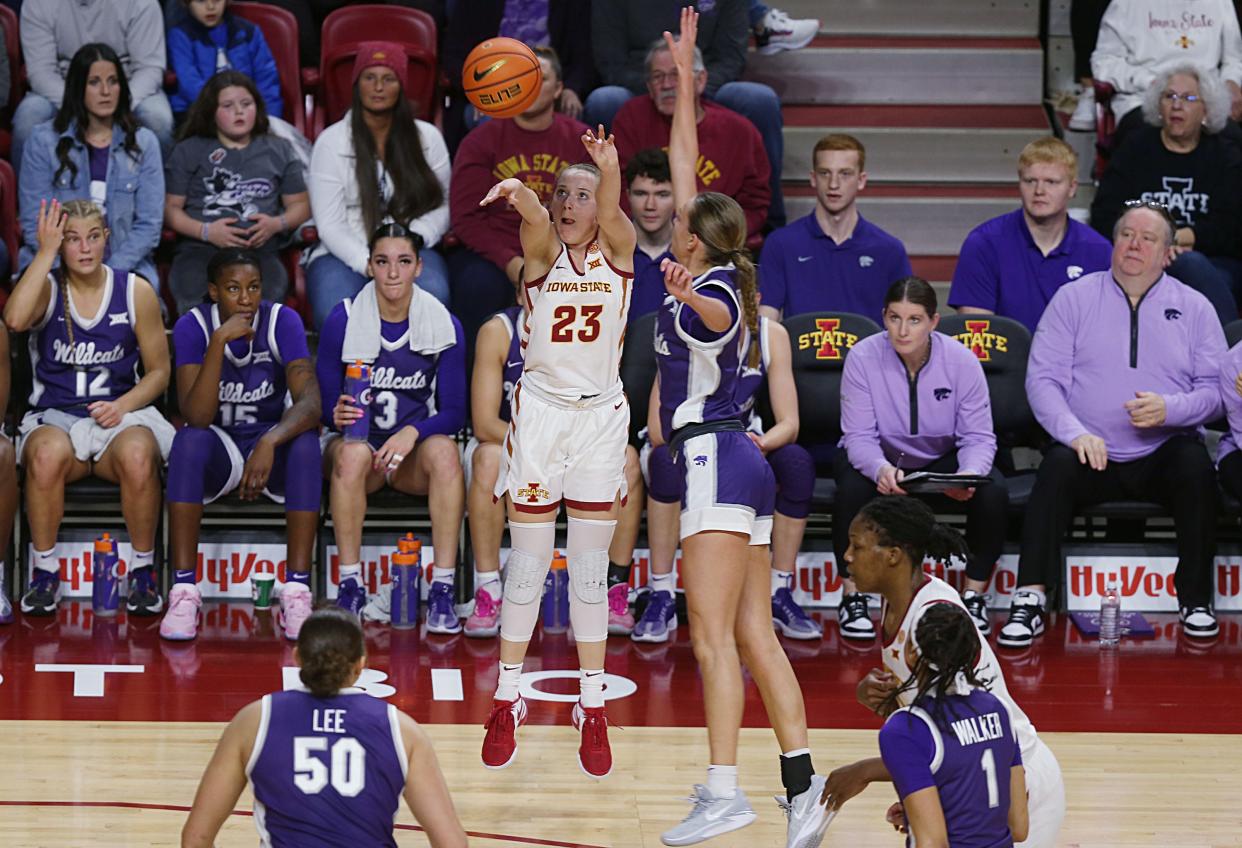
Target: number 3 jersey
{"type": "Point", "coordinates": [327, 771]}
{"type": "Point", "coordinates": [101, 361]}
{"type": "Point", "coordinates": [575, 326]}
{"type": "Point", "coordinates": [253, 393]}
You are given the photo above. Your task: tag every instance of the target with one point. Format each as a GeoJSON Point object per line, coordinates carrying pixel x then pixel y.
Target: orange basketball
{"type": "Point", "coordinates": [502, 77]}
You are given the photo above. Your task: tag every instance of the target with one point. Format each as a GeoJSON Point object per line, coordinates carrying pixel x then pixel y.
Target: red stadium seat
{"type": "Point", "coordinates": [17, 75]}
{"type": "Point", "coordinates": [9, 229]}
{"type": "Point", "coordinates": [345, 29]}
{"type": "Point", "coordinates": [280, 30]}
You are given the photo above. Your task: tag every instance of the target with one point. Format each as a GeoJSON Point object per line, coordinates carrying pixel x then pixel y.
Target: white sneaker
{"type": "Point", "coordinates": [710, 817]}
{"type": "Point", "coordinates": [808, 818]}
{"type": "Point", "coordinates": [1083, 119]}
{"type": "Point", "coordinates": [777, 31]}
{"type": "Point", "coordinates": [977, 606]}
{"type": "Point", "coordinates": [1199, 622]}
{"type": "Point", "coordinates": [853, 617]}
{"type": "Point", "coordinates": [1026, 621]}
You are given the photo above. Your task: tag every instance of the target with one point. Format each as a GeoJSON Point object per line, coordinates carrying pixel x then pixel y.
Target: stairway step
{"type": "Point", "coordinates": [836, 69]}
{"type": "Point", "coordinates": [921, 115]}
{"type": "Point", "coordinates": [919, 154]}
{"type": "Point", "coordinates": [924, 17]}
{"type": "Point", "coordinates": [935, 269]}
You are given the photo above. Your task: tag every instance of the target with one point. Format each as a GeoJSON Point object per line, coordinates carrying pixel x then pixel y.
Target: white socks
{"type": "Point", "coordinates": [46, 561]}
{"type": "Point", "coordinates": [591, 687]}
{"type": "Point", "coordinates": [782, 580]}
{"type": "Point", "coordinates": [507, 685]}
{"type": "Point", "coordinates": [663, 583]}
{"type": "Point", "coordinates": [442, 575]}
{"type": "Point", "coordinates": [489, 580]}
{"type": "Point", "coordinates": [722, 781]}
{"type": "Point", "coordinates": [354, 570]}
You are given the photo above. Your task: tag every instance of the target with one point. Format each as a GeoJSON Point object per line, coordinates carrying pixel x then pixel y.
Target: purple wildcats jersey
{"type": "Point", "coordinates": [253, 393]}
{"type": "Point", "coordinates": [327, 772]}
{"type": "Point", "coordinates": [699, 368]}
{"type": "Point", "coordinates": [102, 362]}
{"type": "Point", "coordinates": [965, 749]}
{"type": "Point", "coordinates": [751, 380]}
{"type": "Point", "coordinates": [513, 360]}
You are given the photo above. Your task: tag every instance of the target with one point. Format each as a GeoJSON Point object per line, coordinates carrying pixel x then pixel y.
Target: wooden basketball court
{"type": "Point", "coordinates": [119, 768]}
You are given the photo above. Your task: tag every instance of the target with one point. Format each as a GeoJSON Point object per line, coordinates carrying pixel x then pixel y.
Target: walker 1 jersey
{"type": "Point", "coordinates": [513, 360]}
{"type": "Point", "coordinates": [750, 380]}
{"type": "Point", "coordinates": [327, 771]}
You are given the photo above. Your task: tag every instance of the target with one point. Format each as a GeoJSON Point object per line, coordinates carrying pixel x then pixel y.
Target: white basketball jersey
{"type": "Point", "coordinates": [936, 591]}
{"type": "Point", "coordinates": [575, 326]}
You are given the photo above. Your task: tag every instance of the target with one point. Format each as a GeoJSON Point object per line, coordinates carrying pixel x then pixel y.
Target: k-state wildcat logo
{"type": "Point", "coordinates": [942, 393]}
{"type": "Point", "coordinates": [1172, 314]}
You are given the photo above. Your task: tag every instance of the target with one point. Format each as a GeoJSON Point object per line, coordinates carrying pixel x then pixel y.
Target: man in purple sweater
{"type": "Point", "coordinates": [1122, 374]}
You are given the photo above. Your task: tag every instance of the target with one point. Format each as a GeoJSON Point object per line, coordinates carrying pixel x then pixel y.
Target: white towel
{"type": "Point", "coordinates": [89, 439]}
{"type": "Point", "coordinates": [431, 326]}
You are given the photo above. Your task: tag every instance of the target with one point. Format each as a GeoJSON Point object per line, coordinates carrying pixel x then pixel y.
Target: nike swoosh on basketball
{"type": "Point", "coordinates": [479, 75]}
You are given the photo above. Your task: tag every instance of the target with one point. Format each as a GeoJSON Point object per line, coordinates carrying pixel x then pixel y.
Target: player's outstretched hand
{"type": "Point", "coordinates": [507, 189]}
{"type": "Point", "coordinates": [51, 226]}
{"type": "Point", "coordinates": [896, 816]}
{"type": "Point", "coordinates": [843, 784]}
{"type": "Point", "coordinates": [682, 48]}
{"type": "Point", "coordinates": [677, 279]}
{"type": "Point", "coordinates": [601, 148]}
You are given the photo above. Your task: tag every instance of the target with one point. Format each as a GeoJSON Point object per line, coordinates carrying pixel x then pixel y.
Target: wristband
{"type": "Point", "coordinates": [204, 231]}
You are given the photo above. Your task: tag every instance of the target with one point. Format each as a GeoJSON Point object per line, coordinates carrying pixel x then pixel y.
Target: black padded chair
{"type": "Point", "coordinates": [1003, 346]}
{"type": "Point", "coordinates": [638, 370]}
{"type": "Point", "coordinates": [1233, 332]}
{"type": "Point", "coordinates": [819, 343]}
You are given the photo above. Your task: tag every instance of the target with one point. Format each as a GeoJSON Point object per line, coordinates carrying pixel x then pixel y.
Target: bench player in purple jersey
{"type": "Point", "coordinates": [328, 763]}
{"type": "Point", "coordinates": [418, 382]}
{"type": "Point", "coordinates": [726, 517]}
{"type": "Point", "coordinates": [889, 540]}
{"type": "Point", "coordinates": [247, 389]}
{"type": "Point", "coordinates": [8, 478]}
{"type": "Point", "coordinates": [952, 753]}
{"type": "Point", "coordinates": [792, 467]}
{"type": "Point", "coordinates": [100, 360]}
{"type": "Point", "coordinates": [497, 367]}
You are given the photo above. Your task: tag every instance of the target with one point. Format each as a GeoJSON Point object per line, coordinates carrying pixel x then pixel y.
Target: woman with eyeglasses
{"type": "Point", "coordinates": [1179, 161]}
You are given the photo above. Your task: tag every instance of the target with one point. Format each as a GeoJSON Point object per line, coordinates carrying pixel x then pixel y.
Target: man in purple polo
{"type": "Point", "coordinates": [832, 260]}
{"type": "Point", "coordinates": [1013, 264]}
{"type": "Point", "coordinates": [1122, 374]}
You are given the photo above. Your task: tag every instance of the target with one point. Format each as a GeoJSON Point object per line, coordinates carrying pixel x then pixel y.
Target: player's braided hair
{"type": "Point", "coordinates": [720, 224]}
{"type": "Point", "coordinates": [948, 650]}
{"type": "Point", "coordinates": [329, 646]}
{"type": "Point", "coordinates": [908, 523]}
{"type": "Point", "coordinates": [73, 209]}
{"type": "Point", "coordinates": [227, 257]}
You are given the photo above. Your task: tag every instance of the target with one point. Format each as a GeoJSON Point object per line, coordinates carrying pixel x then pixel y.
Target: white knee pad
{"type": "Point", "coordinates": [527, 566]}
{"type": "Point", "coordinates": [588, 575]}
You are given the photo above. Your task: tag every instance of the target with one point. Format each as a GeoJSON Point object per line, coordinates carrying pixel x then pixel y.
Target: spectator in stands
{"type": "Point", "coordinates": [623, 33]}
{"type": "Point", "coordinates": [90, 413]}
{"type": "Point", "coordinates": [231, 183]}
{"type": "Point", "coordinates": [1229, 452]}
{"type": "Point", "coordinates": [562, 25]}
{"type": "Point", "coordinates": [1178, 158]}
{"type": "Point", "coordinates": [211, 39]}
{"type": "Point", "coordinates": [650, 195]}
{"type": "Point", "coordinates": [1013, 264]}
{"type": "Point", "coordinates": [417, 355]}
{"type": "Point", "coordinates": [532, 147]}
{"type": "Point", "coordinates": [8, 477]}
{"type": "Point", "coordinates": [732, 159]}
{"type": "Point", "coordinates": [912, 400]}
{"type": "Point", "coordinates": [833, 259]}
{"type": "Point", "coordinates": [94, 150]}
{"type": "Point", "coordinates": [53, 31]}
{"type": "Point", "coordinates": [1085, 17]}
{"type": "Point", "coordinates": [1123, 372]}
{"type": "Point", "coordinates": [377, 164]}
{"type": "Point", "coordinates": [1141, 38]}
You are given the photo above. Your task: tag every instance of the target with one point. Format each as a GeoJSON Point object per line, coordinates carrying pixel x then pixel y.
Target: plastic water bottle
{"type": "Point", "coordinates": [407, 574]}
{"type": "Point", "coordinates": [555, 608]}
{"type": "Point", "coordinates": [358, 386]}
{"type": "Point", "coordinates": [1110, 616]}
{"type": "Point", "coordinates": [105, 577]}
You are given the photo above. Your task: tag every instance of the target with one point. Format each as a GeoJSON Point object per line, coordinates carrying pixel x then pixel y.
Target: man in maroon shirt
{"type": "Point", "coordinates": [533, 147]}
{"type": "Point", "coordinates": [732, 160]}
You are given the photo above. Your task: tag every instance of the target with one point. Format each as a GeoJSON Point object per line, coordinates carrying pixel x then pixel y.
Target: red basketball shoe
{"type": "Point", "coordinates": [500, 743]}
{"type": "Point", "coordinates": [594, 755]}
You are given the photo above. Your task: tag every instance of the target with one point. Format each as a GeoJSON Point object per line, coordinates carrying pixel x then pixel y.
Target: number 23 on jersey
{"type": "Point", "coordinates": [566, 318]}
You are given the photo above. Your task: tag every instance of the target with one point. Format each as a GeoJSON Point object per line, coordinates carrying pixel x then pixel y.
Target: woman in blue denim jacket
{"type": "Point", "coordinates": [94, 150]}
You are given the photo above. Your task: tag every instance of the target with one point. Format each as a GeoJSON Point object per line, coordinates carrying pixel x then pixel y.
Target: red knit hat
{"type": "Point", "coordinates": [388, 54]}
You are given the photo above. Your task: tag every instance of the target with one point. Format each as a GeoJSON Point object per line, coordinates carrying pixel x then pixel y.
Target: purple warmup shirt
{"type": "Point", "coordinates": [101, 364]}
{"type": "Point", "coordinates": [513, 361]}
{"type": "Point", "coordinates": [802, 270]}
{"type": "Point", "coordinates": [427, 392]}
{"type": "Point", "coordinates": [649, 291]}
{"type": "Point", "coordinates": [698, 368]}
{"type": "Point", "coordinates": [751, 380]}
{"type": "Point", "coordinates": [966, 750]}
{"type": "Point", "coordinates": [327, 772]}
{"type": "Point", "coordinates": [1093, 352]}
{"type": "Point", "coordinates": [1230, 367]}
{"type": "Point", "coordinates": [887, 417]}
{"type": "Point", "coordinates": [1002, 270]}
{"type": "Point", "coordinates": [253, 391]}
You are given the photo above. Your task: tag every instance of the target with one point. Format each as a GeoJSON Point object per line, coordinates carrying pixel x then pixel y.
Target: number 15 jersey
{"type": "Point", "coordinates": [575, 326]}
{"type": "Point", "coordinates": [327, 771]}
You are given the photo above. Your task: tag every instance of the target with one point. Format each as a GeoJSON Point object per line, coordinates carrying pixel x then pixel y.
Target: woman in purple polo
{"type": "Point", "coordinates": [913, 399]}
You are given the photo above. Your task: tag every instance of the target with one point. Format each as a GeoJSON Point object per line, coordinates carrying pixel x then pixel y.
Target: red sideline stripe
{"type": "Point", "coordinates": [874, 189]}
{"type": "Point", "coordinates": [925, 42]}
{"type": "Point", "coordinates": [178, 808]}
{"type": "Point", "coordinates": [919, 115]}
